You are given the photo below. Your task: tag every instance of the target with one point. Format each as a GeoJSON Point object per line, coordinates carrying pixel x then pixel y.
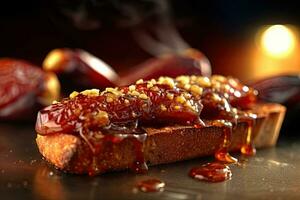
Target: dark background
{"type": "Point", "coordinates": [222, 30]}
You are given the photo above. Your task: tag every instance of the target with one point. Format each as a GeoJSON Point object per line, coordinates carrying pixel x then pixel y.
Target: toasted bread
{"type": "Point", "coordinates": [163, 145]}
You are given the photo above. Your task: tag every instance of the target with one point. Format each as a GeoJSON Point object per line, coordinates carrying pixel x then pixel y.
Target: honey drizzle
{"type": "Point", "coordinates": [248, 148]}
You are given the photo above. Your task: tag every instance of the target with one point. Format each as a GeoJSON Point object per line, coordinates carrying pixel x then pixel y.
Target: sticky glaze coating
{"type": "Point", "coordinates": [118, 107]}
{"type": "Point", "coordinates": [166, 100]}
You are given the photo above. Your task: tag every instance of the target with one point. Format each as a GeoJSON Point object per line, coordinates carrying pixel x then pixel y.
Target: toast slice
{"type": "Point", "coordinates": [72, 154]}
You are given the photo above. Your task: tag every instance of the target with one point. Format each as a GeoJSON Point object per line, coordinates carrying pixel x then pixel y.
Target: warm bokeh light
{"type": "Point", "coordinates": [278, 41]}
{"type": "Point", "coordinates": [276, 52]}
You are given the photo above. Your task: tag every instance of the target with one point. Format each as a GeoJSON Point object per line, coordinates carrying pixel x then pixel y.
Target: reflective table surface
{"type": "Point", "coordinates": [273, 173]}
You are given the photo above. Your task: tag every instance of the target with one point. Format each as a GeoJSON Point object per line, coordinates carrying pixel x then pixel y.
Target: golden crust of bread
{"type": "Point", "coordinates": [165, 145]}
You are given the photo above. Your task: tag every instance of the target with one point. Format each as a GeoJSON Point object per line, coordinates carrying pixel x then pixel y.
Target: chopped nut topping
{"type": "Point", "coordinates": [167, 81]}
{"type": "Point", "coordinates": [114, 91]}
{"type": "Point", "coordinates": [140, 81]}
{"type": "Point", "coordinates": [154, 88]}
{"type": "Point", "coordinates": [187, 86]}
{"type": "Point", "coordinates": [180, 99]}
{"type": "Point", "coordinates": [216, 85]}
{"type": "Point", "coordinates": [109, 99]}
{"type": "Point", "coordinates": [132, 88]}
{"type": "Point", "coordinates": [143, 96]}
{"type": "Point", "coordinates": [216, 97]}
{"type": "Point", "coordinates": [149, 85]}
{"type": "Point", "coordinates": [219, 78]}
{"type": "Point", "coordinates": [196, 90]}
{"type": "Point", "coordinates": [170, 96]}
{"type": "Point", "coordinates": [102, 117]}
{"type": "Point", "coordinates": [134, 93]}
{"type": "Point", "coordinates": [188, 105]}
{"type": "Point", "coordinates": [183, 79]}
{"type": "Point", "coordinates": [177, 107]}
{"type": "Point", "coordinates": [163, 107]}
{"type": "Point", "coordinates": [73, 94]}
{"type": "Point", "coordinates": [232, 82]}
{"type": "Point", "coordinates": [153, 81]}
{"type": "Point", "coordinates": [203, 81]}
{"type": "Point", "coordinates": [91, 92]}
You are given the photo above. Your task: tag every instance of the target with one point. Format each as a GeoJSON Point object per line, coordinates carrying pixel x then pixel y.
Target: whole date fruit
{"type": "Point", "coordinates": [78, 69]}
{"type": "Point", "coordinates": [24, 88]}
{"type": "Point", "coordinates": [189, 62]}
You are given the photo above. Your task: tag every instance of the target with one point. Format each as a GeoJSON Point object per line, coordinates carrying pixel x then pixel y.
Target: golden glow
{"type": "Point", "coordinates": [278, 41]}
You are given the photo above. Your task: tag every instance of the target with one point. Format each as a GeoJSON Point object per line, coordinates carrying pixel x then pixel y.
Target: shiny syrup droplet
{"type": "Point", "coordinates": [222, 155]}
{"type": "Point", "coordinates": [139, 166]}
{"type": "Point", "coordinates": [211, 172]}
{"type": "Point", "coordinates": [150, 185]}
{"type": "Point", "coordinates": [248, 150]}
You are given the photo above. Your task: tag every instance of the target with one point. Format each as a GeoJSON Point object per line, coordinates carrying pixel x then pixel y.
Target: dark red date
{"type": "Point", "coordinates": [24, 88]}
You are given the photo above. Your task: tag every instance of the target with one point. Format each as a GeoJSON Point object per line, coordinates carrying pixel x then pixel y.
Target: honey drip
{"type": "Point", "coordinates": [221, 153]}
{"type": "Point", "coordinates": [211, 172]}
{"type": "Point", "coordinates": [150, 185]}
{"type": "Point", "coordinates": [248, 148]}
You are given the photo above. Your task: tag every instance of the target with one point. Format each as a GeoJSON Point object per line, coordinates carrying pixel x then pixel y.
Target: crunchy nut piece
{"type": "Point", "coordinates": [187, 86]}
{"type": "Point", "coordinates": [196, 90]}
{"type": "Point", "coordinates": [193, 78]}
{"type": "Point", "coordinates": [183, 79]}
{"type": "Point", "coordinates": [73, 94]}
{"type": "Point", "coordinates": [226, 87]}
{"type": "Point", "coordinates": [177, 107]}
{"type": "Point", "coordinates": [154, 88]}
{"type": "Point", "coordinates": [163, 107]}
{"type": "Point", "coordinates": [149, 85]}
{"type": "Point", "coordinates": [167, 81]}
{"type": "Point", "coordinates": [153, 81]}
{"type": "Point", "coordinates": [102, 118]}
{"type": "Point", "coordinates": [109, 99]}
{"type": "Point", "coordinates": [170, 96]}
{"type": "Point", "coordinates": [114, 91]}
{"type": "Point", "coordinates": [216, 85]}
{"type": "Point", "coordinates": [203, 81]}
{"type": "Point", "coordinates": [143, 96]}
{"type": "Point", "coordinates": [91, 92]}
{"type": "Point", "coordinates": [216, 97]}
{"type": "Point", "coordinates": [134, 93]}
{"type": "Point", "coordinates": [219, 78]}
{"type": "Point", "coordinates": [233, 82]}
{"type": "Point", "coordinates": [188, 105]}
{"type": "Point", "coordinates": [140, 81]}
{"type": "Point", "coordinates": [132, 88]}
{"type": "Point", "coordinates": [180, 99]}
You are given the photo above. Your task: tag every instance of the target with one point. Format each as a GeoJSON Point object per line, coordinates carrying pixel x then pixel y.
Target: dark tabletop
{"type": "Point", "coordinates": [272, 174]}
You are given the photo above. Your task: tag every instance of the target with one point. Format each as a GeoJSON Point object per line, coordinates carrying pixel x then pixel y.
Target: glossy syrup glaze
{"type": "Point", "coordinates": [211, 172]}
{"type": "Point", "coordinates": [121, 113]}
{"type": "Point", "coordinates": [150, 185]}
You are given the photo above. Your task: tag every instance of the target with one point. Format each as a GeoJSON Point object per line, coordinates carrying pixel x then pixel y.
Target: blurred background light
{"type": "Point", "coordinates": [276, 52]}
{"type": "Point", "coordinates": [278, 41]}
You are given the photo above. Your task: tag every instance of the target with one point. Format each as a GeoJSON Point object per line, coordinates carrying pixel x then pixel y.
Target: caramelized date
{"type": "Point", "coordinates": [219, 95]}
{"type": "Point", "coordinates": [190, 62]}
{"type": "Point", "coordinates": [165, 100]}
{"type": "Point", "coordinates": [79, 69]}
{"type": "Point", "coordinates": [280, 89]}
{"type": "Point", "coordinates": [24, 88]}
{"type": "Point", "coordinates": [144, 103]}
